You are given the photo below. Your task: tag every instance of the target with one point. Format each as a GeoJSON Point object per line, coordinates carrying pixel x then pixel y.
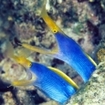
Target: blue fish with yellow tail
{"type": "Point", "coordinates": [51, 81]}
{"type": "Point", "coordinates": [68, 50]}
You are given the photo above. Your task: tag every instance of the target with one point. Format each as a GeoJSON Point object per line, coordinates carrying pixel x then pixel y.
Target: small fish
{"type": "Point", "coordinates": [68, 50]}
{"type": "Point", "coordinates": [51, 81]}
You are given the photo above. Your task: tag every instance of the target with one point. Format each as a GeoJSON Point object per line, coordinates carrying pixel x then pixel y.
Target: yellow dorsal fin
{"type": "Point", "coordinates": [51, 24]}
{"type": "Point", "coordinates": [64, 76]}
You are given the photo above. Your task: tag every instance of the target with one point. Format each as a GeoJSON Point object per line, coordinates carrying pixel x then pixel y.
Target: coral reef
{"type": "Point", "coordinates": [83, 20]}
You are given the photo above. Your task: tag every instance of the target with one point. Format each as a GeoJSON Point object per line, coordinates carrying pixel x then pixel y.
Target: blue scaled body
{"type": "Point", "coordinates": [53, 85]}
{"type": "Point", "coordinates": [71, 53]}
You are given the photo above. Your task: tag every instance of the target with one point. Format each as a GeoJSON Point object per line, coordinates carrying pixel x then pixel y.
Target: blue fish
{"type": "Point", "coordinates": [71, 53]}
{"type": "Point", "coordinates": [68, 50]}
{"type": "Point", "coordinates": [51, 81]}
{"type": "Point", "coordinates": [52, 84]}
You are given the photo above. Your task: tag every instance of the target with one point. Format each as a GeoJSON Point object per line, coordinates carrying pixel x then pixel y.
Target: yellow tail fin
{"type": "Point", "coordinates": [40, 50]}
{"type": "Point", "coordinates": [20, 59]}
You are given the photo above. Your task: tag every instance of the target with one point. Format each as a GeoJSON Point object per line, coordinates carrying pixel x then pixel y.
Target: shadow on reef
{"type": "Point", "coordinates": [1, 99]}
{"type": "Point", "coordinates": [4, 87]}
{"type": "Point", "coordinates": [36, 97]}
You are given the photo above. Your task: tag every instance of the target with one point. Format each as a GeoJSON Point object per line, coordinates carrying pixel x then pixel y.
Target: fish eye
{"type": "Point", "coordinates": [55, 31]}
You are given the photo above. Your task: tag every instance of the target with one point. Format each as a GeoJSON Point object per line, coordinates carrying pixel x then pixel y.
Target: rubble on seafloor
{"type": "Point", "coordinates": [92, 93]}
{"type": "Point", "coordinates": [83, 20]}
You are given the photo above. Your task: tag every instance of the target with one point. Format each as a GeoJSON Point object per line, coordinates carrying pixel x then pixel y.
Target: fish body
{"type": "Point", "coordinates": [51, 83]}
{"type": "Point", "coordinates": [72, 53]}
